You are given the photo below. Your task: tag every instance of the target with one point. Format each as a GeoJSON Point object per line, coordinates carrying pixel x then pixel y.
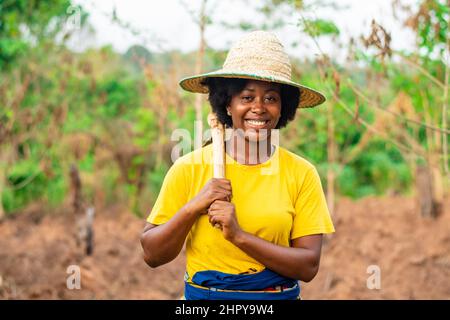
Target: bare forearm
{"type": "Point", "coordinates": [297, 263]}
{"type": "Point", "coordinates": [163, 243]}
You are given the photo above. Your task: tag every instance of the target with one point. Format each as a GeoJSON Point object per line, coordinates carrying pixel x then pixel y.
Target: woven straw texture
{"type": "Point", "coordinates": [258, 55]}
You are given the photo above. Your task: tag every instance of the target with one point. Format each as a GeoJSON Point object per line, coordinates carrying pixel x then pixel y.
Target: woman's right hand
{"type": "Point", "coordinates": [214, 189]}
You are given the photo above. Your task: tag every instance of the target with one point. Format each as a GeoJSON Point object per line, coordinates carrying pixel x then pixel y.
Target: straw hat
{"type": "Point", "coordinates": [258, 55]}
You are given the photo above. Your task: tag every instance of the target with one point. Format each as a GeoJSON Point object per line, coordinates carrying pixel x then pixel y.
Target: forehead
{"type": "Point", "coordinates": [262, 85]}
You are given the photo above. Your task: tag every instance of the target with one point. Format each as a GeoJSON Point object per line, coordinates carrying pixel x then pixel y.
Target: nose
{"type": "Point", "coordinates": [258, 106]}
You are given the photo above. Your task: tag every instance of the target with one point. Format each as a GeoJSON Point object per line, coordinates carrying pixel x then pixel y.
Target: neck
{"type": "Point", "coordinates": [249, 152]}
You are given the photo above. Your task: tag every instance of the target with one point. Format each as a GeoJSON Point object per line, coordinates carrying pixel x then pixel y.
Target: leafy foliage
{"type": "Point", "coordinates": [112, 116]}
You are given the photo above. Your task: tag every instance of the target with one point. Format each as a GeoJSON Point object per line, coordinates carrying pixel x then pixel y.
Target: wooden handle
{"type": "Point", "coordinates": [217, 135]}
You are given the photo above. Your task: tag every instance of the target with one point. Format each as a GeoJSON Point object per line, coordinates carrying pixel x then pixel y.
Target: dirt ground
{"type": "Point", "coordinates": [387, 235]}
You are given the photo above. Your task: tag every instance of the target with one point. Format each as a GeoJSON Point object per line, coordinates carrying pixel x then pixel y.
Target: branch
{"type": "Point", "coordinates": [420, 68]}
{"type": "Point", "coordinates": [356, 116]}
{"type": "Point", "coordinates": [375, 104]}
{"type": "Point", "coordinates": [444, 108]}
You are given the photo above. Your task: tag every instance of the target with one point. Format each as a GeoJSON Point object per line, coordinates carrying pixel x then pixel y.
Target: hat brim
{"type": "Point", "coordinates": [308, 97]}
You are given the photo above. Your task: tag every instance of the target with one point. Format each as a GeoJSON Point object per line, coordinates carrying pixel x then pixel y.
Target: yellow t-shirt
{"type": "Point", "coordinates": [278, 200]}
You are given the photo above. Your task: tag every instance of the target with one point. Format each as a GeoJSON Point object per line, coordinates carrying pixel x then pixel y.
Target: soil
{"type": "Point", "coordinates": [375, 236]}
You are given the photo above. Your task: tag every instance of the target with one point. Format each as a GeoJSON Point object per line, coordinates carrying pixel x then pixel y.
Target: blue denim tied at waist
{"type": "Point", "coordinates": [215, 285]}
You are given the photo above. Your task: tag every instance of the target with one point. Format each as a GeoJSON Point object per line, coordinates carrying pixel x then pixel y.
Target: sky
{"type": "Point", "coordinates": [166, 25]}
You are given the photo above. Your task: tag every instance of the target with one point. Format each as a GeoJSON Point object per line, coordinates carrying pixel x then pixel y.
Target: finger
{"type": "Point", "coordinates": [215, 222]}
{"type": "Point", "coordinates": [212, 220]}
{"type": "Point", "coordinates": [213, 212]}
{"type": "Point", "coordinates": [222, 190]}
{"type": "Point", "coordinates": [218, 205]}
{"type": "Point", "coordinates": [224, 196]}
{"type": "Point", "coordinates": [217, 213]}
{"type": "Point", "coordinates": [225, 186]}
{"type": "Point", "coordinates": [223, 183]}
{"type": "Point", "coordinates": [222, 180]}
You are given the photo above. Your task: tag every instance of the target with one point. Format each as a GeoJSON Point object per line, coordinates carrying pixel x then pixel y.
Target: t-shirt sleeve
{"type": "Point", "coordinates": [172, 196]}
{"type": "Point", "coordinates": [311, 212]}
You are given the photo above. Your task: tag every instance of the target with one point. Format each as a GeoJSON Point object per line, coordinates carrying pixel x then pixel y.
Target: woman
{"type": "Point", "coordinates": [256, 233]}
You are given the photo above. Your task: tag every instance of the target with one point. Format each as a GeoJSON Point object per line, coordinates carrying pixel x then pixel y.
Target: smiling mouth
{"type": "Point", "coordinates": [256, 123]}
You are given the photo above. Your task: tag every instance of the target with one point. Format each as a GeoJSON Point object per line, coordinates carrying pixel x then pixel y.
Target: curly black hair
{"type": "Point", "coordinates": [221, 90]}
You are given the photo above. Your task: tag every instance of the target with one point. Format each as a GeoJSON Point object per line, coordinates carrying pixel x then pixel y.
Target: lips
{"type": "Point", "coordinates": [257, 124]}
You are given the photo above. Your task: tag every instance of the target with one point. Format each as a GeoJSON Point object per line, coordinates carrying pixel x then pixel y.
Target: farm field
{"type": "Point", "coordinates": [413, 255]}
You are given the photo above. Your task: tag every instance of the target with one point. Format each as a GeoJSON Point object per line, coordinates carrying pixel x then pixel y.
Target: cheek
{"type": "Point", "coordinates": [234, 107]}
{"type": "Point", "coordinates": [237, 113]}
{"type": "Point", "coordinates": [276, 112]}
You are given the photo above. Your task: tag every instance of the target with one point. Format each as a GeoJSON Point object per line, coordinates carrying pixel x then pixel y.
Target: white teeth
{"type": "Point", "coordinates": [256, 123]}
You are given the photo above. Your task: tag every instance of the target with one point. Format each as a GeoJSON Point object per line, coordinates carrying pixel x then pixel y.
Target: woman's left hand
{"type": "Point", "coordinates": [223, 213]}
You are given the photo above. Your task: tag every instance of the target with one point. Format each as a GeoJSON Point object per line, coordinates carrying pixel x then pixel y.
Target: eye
{"type": "Point", "coordinates": [271, 99]}
{"type": "Point", "coordinates": [247, 98]}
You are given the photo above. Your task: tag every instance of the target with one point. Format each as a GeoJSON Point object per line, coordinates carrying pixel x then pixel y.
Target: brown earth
{"type": "Point", "coordinates": [412, 254]}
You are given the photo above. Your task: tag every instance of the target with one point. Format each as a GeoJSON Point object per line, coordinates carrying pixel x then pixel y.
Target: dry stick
{"type": "Point", "coordinates": [372, 129]}
{"type": "Point", "coordinates": [444, 86]}
{"type": "Point", "coordinates": [218, 149]}
{"type": "Point", "coordinates": [371, 102]}
{"type": "Point", "coordinates": [420, 68]}
{"type": "Point", "coordinates": [377, 132]}
{"type": "Point", "coordinates": [202, 23]}
{"type": "Point", "coordinates": [428, 133]}
{"type": "Point", "coordinates": [348, 109]}
{"type": "Point", "coordinates": [444, 109]}
{"type": "Point", "coordinates": [3, 162]}
{"type": "Point", "coordinates": [27, 181]}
